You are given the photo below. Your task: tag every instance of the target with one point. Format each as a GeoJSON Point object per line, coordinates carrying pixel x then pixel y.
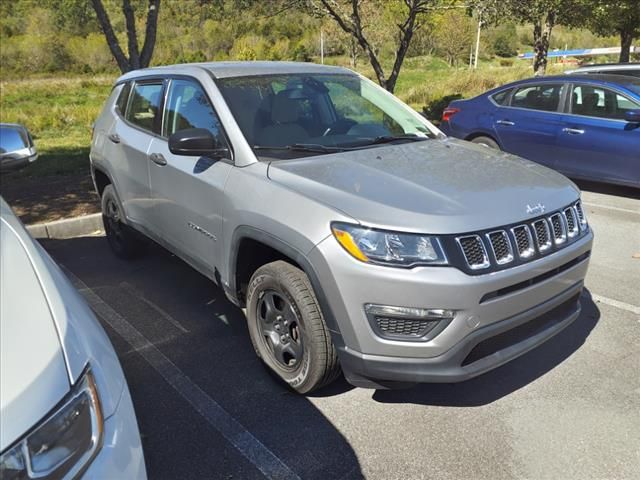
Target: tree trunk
{"type": "Point", "coordinates": [112, 40]}
{"type": "Point", "coordinates": [150, 33]}
{"type": "Point", "coordinates": [625, 46]}
{"type": "Point", "coordinates": [541, 37]}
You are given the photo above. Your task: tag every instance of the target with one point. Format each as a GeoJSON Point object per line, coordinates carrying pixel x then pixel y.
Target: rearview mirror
{"type": "Point", "coordinates": [196, 142]}
{"type": "Point", "coordinates": [632, 116]}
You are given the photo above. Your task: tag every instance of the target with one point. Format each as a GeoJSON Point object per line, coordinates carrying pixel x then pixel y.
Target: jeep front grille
{"type": "Point", "coordinates": [474, 251]}
{"type": "Point", "coordinates": [404, 327]}
{"type": "Point", "coordinates": [523, 242]}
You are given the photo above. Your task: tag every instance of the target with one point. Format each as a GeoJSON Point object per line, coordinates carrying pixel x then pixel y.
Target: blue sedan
{"type": "Point", "coordinates": [585, 126]}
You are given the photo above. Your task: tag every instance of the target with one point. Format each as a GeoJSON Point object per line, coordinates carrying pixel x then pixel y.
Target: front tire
{"type": "Point", "coordinates": [287, 328]}
{"type": "Point", "coordinates": [124, 241]}
{"type": "Point", "coordinates": [486, 141]}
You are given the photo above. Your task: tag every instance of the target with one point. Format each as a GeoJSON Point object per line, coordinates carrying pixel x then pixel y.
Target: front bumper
{"type": "Point", "coordinates": [488, 330]}
{"type": "Point", "coordinates": [121, 453]}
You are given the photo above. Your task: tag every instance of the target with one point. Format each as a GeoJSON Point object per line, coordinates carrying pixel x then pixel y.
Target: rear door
{"type": "Point", "coordinates": [596, 142]}
{"type": "Point", "coordinates": [130, 137]}
{"type": "Point", "coordinates": [188, 191]}
{"type": "Point", "coordinates": [530, 124]}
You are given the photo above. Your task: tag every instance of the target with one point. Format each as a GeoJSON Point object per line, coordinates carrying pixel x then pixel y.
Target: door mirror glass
{"type": "Point", "coordinates": [196, 142]}
{"type": "Point", "coordinates": [14, 140]}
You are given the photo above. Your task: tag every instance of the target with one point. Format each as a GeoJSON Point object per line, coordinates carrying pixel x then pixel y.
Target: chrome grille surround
{"type": "Point", "coordinates": [500, 246]}
{"type": "Point", "coordinates": [558, 228]}
{"type": "Point", "coordinates": [581, 218]}
{"type": "Point", "coordinates": [524, 241]}
{"type": "Point", "coordinates": [571, 221]}
{"type": "Point", "coordinates": [472, 250]}
{"type": "Point", "coordinates": [543, 235]}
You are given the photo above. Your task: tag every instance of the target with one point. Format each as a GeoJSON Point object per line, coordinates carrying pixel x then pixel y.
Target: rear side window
{"type": "Point", "coordinates": [544, 97]}
{"type": "Point", "coordinates": [121, 102]}
{"type": "Point", "coordinates": [501, 97]}
{"type": "Point", "coordinates": [188, 107]}
{"type": "Point", "coordinates": [593, 101]}
{"type": "Point", "coordinates": [144, 106]}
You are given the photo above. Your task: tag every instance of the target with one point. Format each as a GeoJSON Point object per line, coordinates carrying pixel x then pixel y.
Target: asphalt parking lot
{"type": "Point", "coordinates": [208, 409]}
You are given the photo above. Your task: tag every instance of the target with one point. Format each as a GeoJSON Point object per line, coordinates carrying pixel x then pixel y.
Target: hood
{"type": "Point", "coordinates": [33, 375]}
{"type": "Point", "coordinates": [435, 186]}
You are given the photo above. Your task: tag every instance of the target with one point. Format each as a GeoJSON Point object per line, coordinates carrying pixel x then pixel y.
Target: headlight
{"type": "Point", "coordinates": [63, 443]}
{"type": "Point", "coordinates": [389, 248]}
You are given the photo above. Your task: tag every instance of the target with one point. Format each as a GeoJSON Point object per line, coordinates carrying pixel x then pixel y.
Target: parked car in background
{"type": "Point", "coordinates": [17, 149]}
{"type": "Point", "coordinates": [585, 126]}
{"type": "Point", "coordinates": [630, 69]}
{"type": "Point", "coordinates": [357, 236]}
{"type": "Point", "coordinates": [65, 408]}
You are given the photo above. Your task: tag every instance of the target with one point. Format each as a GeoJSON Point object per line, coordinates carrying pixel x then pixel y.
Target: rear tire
{"type": "Point", "coordinates": [123, 240]}
{"type": "Point", "coordinates": [287, 328]}
{"type": "Point", "coordinates": [486, 141]}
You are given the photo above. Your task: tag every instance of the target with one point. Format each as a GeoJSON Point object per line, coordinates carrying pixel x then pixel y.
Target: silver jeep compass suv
{"type": "Point", "coordinates": [358, 237]}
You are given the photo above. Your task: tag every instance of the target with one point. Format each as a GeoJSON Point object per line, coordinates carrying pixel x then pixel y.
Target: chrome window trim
{"type": "Point", "coordinates": [509, 257]}
{"type": "Point", "coordinates": [479, 266]}
{"type": "Point", "coordinates": [563, 229]}
{"type": "Point", "coordinates": [530, 251]}
{"type": "Point", "coordinates": [547, 245]}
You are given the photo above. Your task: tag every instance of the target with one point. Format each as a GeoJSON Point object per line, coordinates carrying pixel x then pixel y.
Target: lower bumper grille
{"type": "Point", "coordinates": [527, 330]}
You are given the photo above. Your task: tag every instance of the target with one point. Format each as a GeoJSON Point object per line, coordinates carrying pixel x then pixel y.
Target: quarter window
{"type": "Point", "coordinates": [121, 103]}
{"type": "Point", "coordinates": [544, 97]}
{"type": "Point", "coordinates": [144, 105]}
{"type": "Point", "coordinates": [189, 107]}
{"type": "Point", "coordinates": [592, 101]}
{"type": "Point", "coordinates": [501, 97]}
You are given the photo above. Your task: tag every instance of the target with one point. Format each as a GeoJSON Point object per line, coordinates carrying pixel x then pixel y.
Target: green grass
{"type": "Point", "coordinates": [60, 111]}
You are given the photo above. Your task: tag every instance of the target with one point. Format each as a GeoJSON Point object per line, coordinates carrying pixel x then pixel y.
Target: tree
{"type": "Point", "coordinates": [454, 35]}
{"type": "Point", "coordinates": [348, 14]}
{"type": "Point", "coordinates": [137, 58]}
{"type": "Point", "coordinates": [616, 17]}
{"type": "Point", "coordinates": [544, 15]}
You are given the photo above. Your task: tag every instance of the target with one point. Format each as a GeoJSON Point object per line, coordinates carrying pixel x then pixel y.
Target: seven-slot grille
{"type": "Point", "coordinates": [523, 241]}
{"type": "Point", "coordinates": [474, 251]}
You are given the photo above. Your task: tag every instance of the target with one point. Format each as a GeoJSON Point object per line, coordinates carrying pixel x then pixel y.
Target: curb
{"type": "Point", "coordinates": [68, 227]}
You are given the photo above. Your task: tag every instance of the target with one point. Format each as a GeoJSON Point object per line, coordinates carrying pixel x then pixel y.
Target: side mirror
{"type": "Point", "coordinates": [632, 116]}
{"type": "Point", "coordinates": [196, 142]}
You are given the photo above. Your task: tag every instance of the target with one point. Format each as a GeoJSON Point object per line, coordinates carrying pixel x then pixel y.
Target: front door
{"type": "Point", "coordinates": [187, 191]}
{"type": "Point", "coordinates": [596, 142]}
{"type": "Point", "coordinates": [529, 126]}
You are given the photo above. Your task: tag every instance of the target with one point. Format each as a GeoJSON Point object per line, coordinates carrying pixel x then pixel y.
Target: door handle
{"type": "Point", "coordinates": [158, 159]}
{"type": "Point", "coordinates": [114, 137]}
{"type": "Point", "coordinates": [508, 123]}
{"type": "Point", "coordinates": [573, 131]}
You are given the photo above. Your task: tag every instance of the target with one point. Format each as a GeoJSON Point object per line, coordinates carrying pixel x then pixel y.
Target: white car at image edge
{"type": "Point", "coordinates": [65, 408]}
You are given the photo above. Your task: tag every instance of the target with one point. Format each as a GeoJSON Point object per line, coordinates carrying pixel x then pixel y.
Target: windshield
{"type": "Point", "coordinates": [292, 115]}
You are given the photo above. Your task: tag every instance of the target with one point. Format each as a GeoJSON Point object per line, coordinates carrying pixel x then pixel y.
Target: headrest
{"type": "Point", "coordinates": [284, 109]}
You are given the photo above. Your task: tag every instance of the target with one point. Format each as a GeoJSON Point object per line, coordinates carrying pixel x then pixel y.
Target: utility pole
{"type": "Point", "coordinates": [321, 46]}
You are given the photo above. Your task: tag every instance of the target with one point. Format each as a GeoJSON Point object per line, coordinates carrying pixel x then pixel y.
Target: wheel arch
{"type": "Point", "coordinates": [492, 136]}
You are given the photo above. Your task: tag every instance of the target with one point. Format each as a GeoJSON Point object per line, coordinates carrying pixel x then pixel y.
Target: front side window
{"type": "Point", "coordinates": [320, 112]}
{"type": "Point", "coordinates": [144, 105]}
{"type": "Point", "coordinates": [188, 107]}
{"type": "Point", "coordinates": [545, 97]}
{"type": "Point", "coordinates": [594, 101]}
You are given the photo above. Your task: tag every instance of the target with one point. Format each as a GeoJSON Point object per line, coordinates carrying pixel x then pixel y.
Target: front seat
{"type": "Point", "coordinates": [284, 128]}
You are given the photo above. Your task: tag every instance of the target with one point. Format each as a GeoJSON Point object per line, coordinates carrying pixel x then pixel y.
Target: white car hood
{"type": "Point", "coordinates": [33, 374]}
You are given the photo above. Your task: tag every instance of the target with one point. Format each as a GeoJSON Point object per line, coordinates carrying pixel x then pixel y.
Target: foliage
{"type": "Point", "coordinates": [621, 17]}
{"type": "Point", "coordinates": [435, 107]}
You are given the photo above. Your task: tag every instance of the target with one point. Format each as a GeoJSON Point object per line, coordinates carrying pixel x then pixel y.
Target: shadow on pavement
{"type": "Point", "coordinates": [510, 377]}
{"type": "Point", "coordinates": [190, 321]}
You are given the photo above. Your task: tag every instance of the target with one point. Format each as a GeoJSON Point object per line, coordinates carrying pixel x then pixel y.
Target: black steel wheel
{"type": "Point", "coordinates": [124, 242]}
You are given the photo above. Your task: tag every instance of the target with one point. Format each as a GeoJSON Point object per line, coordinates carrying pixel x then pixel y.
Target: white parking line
{"type": "Point", "coordinates": [243, 440]}
{"type": "Point", "coordinates": [616, 303]}
{"type": "Point", "coordinates": [608, 207]}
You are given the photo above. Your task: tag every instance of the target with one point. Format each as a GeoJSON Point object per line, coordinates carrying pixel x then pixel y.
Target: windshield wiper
{"type": "Point", "coordinates": [301, 147]}
{"type": "Point", "coordinates": [392, 138]}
